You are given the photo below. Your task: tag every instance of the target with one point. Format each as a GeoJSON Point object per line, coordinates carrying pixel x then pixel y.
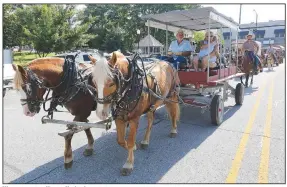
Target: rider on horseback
{"type": "Point", "coordinates": [271, 50]}
{"type": "Point", "coordinates": [250, 48]}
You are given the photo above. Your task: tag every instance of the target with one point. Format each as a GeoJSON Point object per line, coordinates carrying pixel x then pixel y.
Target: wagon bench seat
{"type": "Point", "coordinates": [196, 78]}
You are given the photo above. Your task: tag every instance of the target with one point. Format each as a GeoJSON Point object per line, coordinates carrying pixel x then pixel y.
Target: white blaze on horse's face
{"type": "Point", "coordinates": [102, 109]}
{"type": "Point", "coordinates": [26, 110]}
{"type": "Point", "coordinates": [101, 74]}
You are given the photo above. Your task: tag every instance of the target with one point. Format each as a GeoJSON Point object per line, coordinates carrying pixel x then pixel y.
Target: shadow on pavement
{"type": "Point", "coordinates": [250, 90]}
{"type": "Point", "coordinates": [150, 164]}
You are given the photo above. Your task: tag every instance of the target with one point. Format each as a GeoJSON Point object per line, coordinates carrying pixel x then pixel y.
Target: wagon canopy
{"type": "Point", "coordinates": [193, 19]}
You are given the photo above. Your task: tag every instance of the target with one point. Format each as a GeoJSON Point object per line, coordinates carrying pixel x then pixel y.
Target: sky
{"type": "Point", "coordinates": [265, 12]}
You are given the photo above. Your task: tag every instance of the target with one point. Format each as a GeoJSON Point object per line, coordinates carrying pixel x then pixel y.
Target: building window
{"type": "Point", "coordinates": [280, 35]}
{"type": "Point", "coordinates": [260, 35]}
{"type": "Point", "coordinates": [241, 37]}
{"type": "Point", "coordinates": [227, 37]}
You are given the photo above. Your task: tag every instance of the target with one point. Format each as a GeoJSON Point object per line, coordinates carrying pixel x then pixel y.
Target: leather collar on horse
{"type": "Point", "coordinates": [128, 89]}
{"type": "Point", "coordinates": [72, 81]}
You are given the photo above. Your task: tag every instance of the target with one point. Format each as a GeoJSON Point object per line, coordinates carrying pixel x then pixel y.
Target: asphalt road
{"type": "Point", "coordinates": [249, 147]}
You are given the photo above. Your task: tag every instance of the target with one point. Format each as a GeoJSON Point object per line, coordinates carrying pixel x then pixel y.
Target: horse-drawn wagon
{"type": "Point", "coordinates": [120, 86]}
{"type": "Point", "coordinates": [206, 90]}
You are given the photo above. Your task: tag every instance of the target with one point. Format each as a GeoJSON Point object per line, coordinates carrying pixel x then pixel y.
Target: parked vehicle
{"type": "Point", "coordinates": [80, 56]}
{"type": "Point", "coordinates": [8, 72]}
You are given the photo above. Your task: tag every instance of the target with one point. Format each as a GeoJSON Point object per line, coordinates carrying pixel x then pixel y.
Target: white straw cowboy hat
{"type": "Point", "coordinates": [250, 34]}
{"type": "Point", "coordinates": [179, 31]}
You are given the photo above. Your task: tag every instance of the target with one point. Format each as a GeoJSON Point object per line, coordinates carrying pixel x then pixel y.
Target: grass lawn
{"type": "Point", "coordinates": [24, 57]}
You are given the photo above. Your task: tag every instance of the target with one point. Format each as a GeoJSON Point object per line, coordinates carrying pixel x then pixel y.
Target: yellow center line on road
{"type": "Point", "coordinates": [264, 164]}
{"type": "Point", "coordinates": [236, 163]}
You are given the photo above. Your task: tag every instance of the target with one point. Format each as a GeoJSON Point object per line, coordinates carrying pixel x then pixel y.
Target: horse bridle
{"type": "Point", "coordinates": [128, 91]}
{"type": "Point", "coordinates": [31, 89]}
{"type": "Point", "coordinates": [35, 82]}
{"type": "Point", "coordinates": [120, 81]}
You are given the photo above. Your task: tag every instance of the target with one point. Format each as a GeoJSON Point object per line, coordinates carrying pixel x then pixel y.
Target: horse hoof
{"type": "Point", "coordinates": [88, 152]}
{"type": "Point", "coordinates": [144, 146]}
{"type": "Point", "coordinates": [126, 171]}
{"type": "Point", "coordinates": [68, 165]}
{"type": "Point", "coordinates": [172, 135]}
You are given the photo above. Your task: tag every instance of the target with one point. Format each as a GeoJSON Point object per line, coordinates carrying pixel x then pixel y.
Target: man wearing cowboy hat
{"type": "Point", "coordinates": [178, 49]}
{"type": "Point", "coordinates": [250, 48]}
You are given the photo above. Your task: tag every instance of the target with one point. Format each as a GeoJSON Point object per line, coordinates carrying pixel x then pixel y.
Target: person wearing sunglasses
{"type": "Point", "coordinates": [202, 58]}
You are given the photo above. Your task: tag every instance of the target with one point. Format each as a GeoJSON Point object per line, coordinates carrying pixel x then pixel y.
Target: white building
{"type": "Point", "coordinates": [267, 32]}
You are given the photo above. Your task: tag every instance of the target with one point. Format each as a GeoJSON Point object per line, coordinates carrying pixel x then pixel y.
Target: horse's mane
{"type": "Point", "coordinates": [39, 64]}
{"type": "Point", "coordinates": [102, 70]}
{"type": "Point", "coordinates": [18, 80]}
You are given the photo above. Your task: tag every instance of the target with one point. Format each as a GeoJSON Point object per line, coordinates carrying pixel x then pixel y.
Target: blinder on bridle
{"type": "Point", "coordinates": [120, 82]}
{"type": "Point", "coordinates": [112, 97]}
{"type": "Point", "coordinates": [30, 88]}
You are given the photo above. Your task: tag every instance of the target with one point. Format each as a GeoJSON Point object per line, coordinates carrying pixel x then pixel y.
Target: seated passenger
{"type": "Point", "coordinates": [202, 57]}
{"type": "Point", "coordinates": [178, 50]}
{"type": "Point", "coordinates": [271, 50]}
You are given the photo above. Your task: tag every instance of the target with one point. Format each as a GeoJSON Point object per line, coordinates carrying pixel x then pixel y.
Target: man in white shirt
{"type": "Point", "coordinates": [178, 49]}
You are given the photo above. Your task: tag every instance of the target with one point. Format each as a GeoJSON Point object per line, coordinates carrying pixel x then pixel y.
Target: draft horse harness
{"type": "Point", "coordinates": [124, 100]}
{"type": "Point", "coordinates": [72, 83]}
{"type": "Point", "coordinates": [129, 89]}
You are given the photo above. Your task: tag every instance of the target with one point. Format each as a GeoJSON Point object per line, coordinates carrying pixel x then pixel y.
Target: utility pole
{"type": "Point", "coordinates": [240, 15]}
{"type": "Point", "coordinates": [255, 23]}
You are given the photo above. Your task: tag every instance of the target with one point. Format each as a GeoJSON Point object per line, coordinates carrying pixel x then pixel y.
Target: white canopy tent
{"type": "Point", "coordinates": [193, 19]}
{"type": "Point", "coordinates": [206, 18]}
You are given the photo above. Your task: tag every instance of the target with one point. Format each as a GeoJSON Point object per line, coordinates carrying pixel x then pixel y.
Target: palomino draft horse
{"type": "Point", "coordinates": [69, 90]}
{"type": "Point", "coordinates": [248, 69]}
{"type": "Point", "coordinates": [129, 92]}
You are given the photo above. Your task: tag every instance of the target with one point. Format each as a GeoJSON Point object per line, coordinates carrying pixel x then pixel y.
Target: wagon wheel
{"type": "Point", "coordinates": [4, 91]}
{"type": "Point", "coordinates": [239, 94]}
{"type": "Point", "coordinates": [217, 110]}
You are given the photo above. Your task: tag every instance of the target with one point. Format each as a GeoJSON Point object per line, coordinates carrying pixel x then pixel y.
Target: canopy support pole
{"type": "Point", "coordinates": [148, 30]}
{"type": "Point", "coordinates": [236, 48]}
{"type": "Point", "coordinates": [230, 45]}
{"type": "Point", "coordinates": [166, 39]}
{"type": "Point", "coordinates": [208, 49]}
{"type": "Point", "coordinates": [221, 50]}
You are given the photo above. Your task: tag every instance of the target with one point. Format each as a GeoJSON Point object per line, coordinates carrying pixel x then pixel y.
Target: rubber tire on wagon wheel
{"type": "Point", "coordinates": [217, 110]}
{"type": "Point", "coordinates": [4, 92]}
{"type": "Point", "coordinates": [239, 94]}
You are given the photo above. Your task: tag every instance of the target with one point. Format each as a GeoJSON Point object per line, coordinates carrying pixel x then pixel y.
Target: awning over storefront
{"type": "Point", "coordinates": [226, 34]}
{"type": "Point", "coordinates": [279, 31]}
{"type": "Point", "coordinates": [243, 33]}
{"type": "Point", "coordinates": [260, 32]}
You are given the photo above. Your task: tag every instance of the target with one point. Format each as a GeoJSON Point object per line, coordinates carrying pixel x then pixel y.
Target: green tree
{"type": "Point", "coordinates": [123, 21]}
{"type": "Point", "coordinates": [12, 30]}
{"type": "Point", "coordinates": [53, 28]}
